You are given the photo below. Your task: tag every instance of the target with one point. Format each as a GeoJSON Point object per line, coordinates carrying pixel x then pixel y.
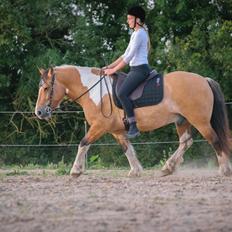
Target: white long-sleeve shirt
{"type": "Point", "coordinates": [137, 50]}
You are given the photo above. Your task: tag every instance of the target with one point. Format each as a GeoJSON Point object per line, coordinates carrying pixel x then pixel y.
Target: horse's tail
{"type": "Point", "coordinates": [219, 119]}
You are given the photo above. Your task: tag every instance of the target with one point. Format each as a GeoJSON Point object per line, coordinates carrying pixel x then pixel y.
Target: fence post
{"type": "Point", "coordinates": [86, 155]}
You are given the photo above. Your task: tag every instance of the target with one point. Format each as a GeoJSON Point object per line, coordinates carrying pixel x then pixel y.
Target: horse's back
{"type": "Point", "coordinates": [181, 82]}
{"type": "Point", "coordinates": [189, 93]}
{"type": "Point", "coordinates": [184, 78]}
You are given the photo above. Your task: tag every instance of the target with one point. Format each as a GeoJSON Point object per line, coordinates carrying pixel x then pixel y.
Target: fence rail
{"type": "Point", "coordinates": [76, 145]}
{"type": "Point", "coordinates": [94, 144]}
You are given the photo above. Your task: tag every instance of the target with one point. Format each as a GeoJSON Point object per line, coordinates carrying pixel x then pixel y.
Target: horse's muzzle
{"type": "Point", "coordinates": [44, 112]}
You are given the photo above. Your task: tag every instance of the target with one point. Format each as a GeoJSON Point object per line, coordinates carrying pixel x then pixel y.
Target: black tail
{"type": "Point", "coordinates": [219, 119]}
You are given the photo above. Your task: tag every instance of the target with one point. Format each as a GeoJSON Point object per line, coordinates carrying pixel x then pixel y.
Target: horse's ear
{"type": "Point", "coordinates": [50, 72]}
{"type": "Point", "coordinates": [41, 71]}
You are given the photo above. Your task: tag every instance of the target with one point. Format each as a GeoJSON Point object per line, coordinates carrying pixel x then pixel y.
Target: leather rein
{"type": "Point", "coordinates": [102, 77]}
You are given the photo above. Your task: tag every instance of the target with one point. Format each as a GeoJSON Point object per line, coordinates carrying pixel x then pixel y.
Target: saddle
{"type": "Point", "coordinates": [149, 92]}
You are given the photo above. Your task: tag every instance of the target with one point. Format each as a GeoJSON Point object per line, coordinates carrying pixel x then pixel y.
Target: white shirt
{"type": "Point", "coordinates": [137, 50]}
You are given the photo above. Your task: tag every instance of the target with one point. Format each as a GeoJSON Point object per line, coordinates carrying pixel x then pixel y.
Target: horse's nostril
{"type": "Point", "coordinates": [48, 109]}
{"type": "Point", "coordinates": [44, 112]}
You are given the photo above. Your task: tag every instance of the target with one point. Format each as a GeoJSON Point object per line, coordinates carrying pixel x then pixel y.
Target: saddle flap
{"type": "Point", "coordinates": [138, 92]}
{"type": "Point", "coordinates": [150, 92]}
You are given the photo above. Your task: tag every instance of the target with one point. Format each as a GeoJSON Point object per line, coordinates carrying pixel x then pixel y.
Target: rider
{"type": "Point", "coordinates": [136, 55]}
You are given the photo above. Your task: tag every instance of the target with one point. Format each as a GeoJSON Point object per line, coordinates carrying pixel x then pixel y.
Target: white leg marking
{"type": "Point", "coordinates": [224, 165]}
{"type": "Point", "coordinates": [177, 158]}
{"type": "Point", "coordinates": [79, 163]}
{"type": "Point", "coordinates": [135, 165]}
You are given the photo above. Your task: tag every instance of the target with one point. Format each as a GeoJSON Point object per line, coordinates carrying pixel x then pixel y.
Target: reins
{"type": "Point", "coordinates": [111, 105]}
{"type": "Point", "coordinates": [77, 98]}
{"type": "Point", "coordinates": [102, 76]}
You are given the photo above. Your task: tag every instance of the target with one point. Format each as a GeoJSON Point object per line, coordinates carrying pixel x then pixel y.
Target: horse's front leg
{"type": "Point", "coordinates": [136, 168]}
{"type": "Point", "coordinates": [93, 134]}
{"type": "Point", "coordinates": [79, 164]}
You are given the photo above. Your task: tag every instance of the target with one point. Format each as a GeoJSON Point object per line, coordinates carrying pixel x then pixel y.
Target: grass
{"type": "Point", "coordinates": [94, 163]}
{"type": "Point", "coordinates": [24, 170]}
{"type": "Point", "coordinates": [60, 169]}
{"type": "Point", "coordinates": [17, 172]}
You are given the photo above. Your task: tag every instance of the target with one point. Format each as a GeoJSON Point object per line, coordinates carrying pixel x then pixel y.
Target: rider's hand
{"type": "Point", "coordinates": [109, 71]}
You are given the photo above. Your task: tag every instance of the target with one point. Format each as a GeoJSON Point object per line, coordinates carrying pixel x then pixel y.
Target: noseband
{"type": "Point", "coordinates": [49, 105]}
{"type": "Point", "coordinates": [51, 92]}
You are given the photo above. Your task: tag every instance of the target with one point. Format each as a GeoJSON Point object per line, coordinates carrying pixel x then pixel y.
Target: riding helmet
{"type": "Point", "coordinates": [138, 12]}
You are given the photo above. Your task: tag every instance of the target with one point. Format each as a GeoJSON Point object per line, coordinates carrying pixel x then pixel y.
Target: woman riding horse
{"type": "Point", "coordinates": [136, 55]}
{"type": "Point", "coordinates": [181, 105]}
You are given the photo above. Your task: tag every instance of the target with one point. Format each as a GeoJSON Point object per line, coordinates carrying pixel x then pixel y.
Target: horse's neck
{"type": "Point", "coordinates": [97, 87]}
{"type": "Point", "coordinates": [68, 77]}
{"type": "Point", "coordinates": [78, 80]}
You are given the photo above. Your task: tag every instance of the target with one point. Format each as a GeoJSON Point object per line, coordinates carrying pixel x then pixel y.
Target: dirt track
{"type": "Point", "coordinates": [196, 200]}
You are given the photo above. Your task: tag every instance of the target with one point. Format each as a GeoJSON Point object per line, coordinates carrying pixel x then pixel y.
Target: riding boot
{"type": "Point", "coordinates": [133, 131]}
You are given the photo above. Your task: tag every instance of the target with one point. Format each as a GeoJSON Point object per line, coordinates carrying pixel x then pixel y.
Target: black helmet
{"type": "Point", "coordinates": [138, 12]}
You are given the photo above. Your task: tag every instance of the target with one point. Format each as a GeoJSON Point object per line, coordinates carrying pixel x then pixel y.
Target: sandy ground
{"type": "Point", "coordinates": [190, 200]}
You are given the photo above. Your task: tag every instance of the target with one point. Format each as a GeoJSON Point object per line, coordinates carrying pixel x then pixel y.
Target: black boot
{"type": "Point", "coordinates": [133, 131]}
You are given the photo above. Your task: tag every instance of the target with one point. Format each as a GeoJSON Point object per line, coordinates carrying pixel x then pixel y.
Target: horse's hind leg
{"type": "Point", "coordinates": [223, 158]}
{"type": "Point", "coordinates": [185, 141]}
{"type": "Point", "coordinates": [136, 168]}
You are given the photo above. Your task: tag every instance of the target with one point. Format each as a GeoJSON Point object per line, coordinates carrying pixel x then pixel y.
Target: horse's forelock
{"type": "Point", "coordinates": [44, 77]}
{"type": "Point", "coordinates": [45, 74]}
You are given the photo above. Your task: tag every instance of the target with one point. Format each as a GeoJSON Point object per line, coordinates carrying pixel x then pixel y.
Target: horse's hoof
{"type": "Point", "coordinates": [225, 170]}
{"type": "Point", "coordinates": [75, 174]}
{"type": "Point", "coordinates": [134, 173]}
{"type": "Point", "coordinates": [165, 172]}
{"type": "Point", "coordinates": [168, 169]}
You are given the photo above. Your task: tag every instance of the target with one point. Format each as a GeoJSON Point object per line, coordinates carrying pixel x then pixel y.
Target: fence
{"type": "Point", "coordinates": [85, 125]}
{"type": "Point", "coordinates": [141, 145]}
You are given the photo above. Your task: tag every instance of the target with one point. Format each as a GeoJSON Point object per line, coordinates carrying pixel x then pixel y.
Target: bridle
{"type": "Point", "coordinates": [49, 108]}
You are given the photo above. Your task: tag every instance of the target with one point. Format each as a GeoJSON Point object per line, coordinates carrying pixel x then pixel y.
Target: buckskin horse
{"type": "Point", "coordinates": [189, 100]}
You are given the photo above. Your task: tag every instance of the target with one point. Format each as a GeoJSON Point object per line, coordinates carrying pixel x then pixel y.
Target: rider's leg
{"type": "Point", "coordinates": [136, 76]}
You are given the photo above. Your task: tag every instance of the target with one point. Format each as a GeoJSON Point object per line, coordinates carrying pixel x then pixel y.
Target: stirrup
{"type": "Point", "coordinates": [131, 136]}
{"type": "Point", "coordinates": [133, 131]}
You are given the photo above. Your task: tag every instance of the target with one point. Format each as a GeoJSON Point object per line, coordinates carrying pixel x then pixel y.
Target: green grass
{"type": "Point", "coordinates": [17, 172]}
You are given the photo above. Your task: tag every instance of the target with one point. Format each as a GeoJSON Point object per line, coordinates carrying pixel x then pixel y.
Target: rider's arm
{"type": "Point", "coordinates": [133, 47]}
{"type": "Point", "coordinates": [115, 63]}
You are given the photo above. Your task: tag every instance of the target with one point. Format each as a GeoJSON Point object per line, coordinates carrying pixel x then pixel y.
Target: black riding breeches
{"type": "Point", "coordinates": [136, 76]}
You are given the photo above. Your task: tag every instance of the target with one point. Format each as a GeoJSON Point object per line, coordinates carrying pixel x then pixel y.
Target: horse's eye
{"type": "Point", "coordinates": [45, 89]}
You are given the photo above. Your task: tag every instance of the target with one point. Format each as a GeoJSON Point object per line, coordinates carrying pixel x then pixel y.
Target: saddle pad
{"type": "Point", "coordinates": [150, 92]}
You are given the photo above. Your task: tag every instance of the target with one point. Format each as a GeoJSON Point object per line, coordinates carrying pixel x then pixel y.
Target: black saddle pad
{"type": "Point", "coordinates": [150, 92]}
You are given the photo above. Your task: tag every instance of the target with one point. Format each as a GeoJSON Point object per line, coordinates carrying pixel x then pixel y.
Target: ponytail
{"type": "Point", "coordinates": [149, 41]}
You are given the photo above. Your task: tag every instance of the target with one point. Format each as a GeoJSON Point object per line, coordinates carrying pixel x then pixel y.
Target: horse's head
{"type": "Point", "coordinates": [51, 93]}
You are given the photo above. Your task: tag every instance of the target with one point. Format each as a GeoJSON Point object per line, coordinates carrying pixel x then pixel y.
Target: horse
{"type": "Point", "coordinates": [189, 100]}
